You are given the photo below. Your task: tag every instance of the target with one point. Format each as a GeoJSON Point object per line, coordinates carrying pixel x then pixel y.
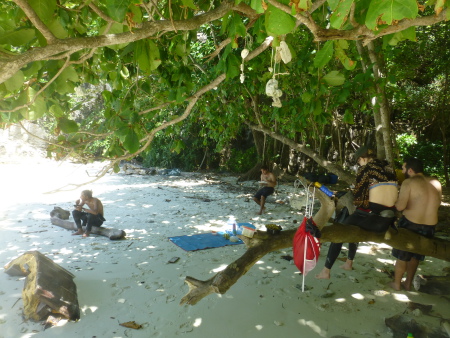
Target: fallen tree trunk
{"type": "Point", "coordinates": [110, 233]}
{"type": "Point", "coordinates": [48, 288]}
{"type": "Point", "coordinates": [262, 243]}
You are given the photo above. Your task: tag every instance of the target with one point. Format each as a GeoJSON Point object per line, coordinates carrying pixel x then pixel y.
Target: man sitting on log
{"type": "Point", "coordinates": [90, 217]}
{"type": "Point", "coordinates": [419, 199]}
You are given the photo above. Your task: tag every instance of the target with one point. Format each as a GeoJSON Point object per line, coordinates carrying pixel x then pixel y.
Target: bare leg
{"type": "Point", "coordinates": [348, 265]}
{"type": "Point", "coordinates": [411, 268]}
{"type": "Point", "coordinates": [399, 271]}
{"type": "Point", "coordinates": [79, 232]}
{"type": "Point", "coordinates": [263, 201]}
{"type": "Point", "coordinates": [324, 274]}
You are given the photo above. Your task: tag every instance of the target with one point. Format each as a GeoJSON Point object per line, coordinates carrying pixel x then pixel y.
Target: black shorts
{"type": "Point", "coordinates": [421, 229]}
{"type": "Point", "coordinates": [265, 191]}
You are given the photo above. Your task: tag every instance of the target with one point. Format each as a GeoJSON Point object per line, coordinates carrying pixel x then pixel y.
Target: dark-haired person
{"type": "Point", "coordinates": [268, 181]}
{"type": "Point", "coordinates": [419, 200]}
{"type": "Point", "coordinates": [375, 192]}
{"type": "Point", "coordinates": [92, 216]}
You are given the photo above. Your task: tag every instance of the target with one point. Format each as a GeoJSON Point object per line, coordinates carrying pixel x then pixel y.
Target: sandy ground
{"type": "Point", "coordinates": [130, 279]}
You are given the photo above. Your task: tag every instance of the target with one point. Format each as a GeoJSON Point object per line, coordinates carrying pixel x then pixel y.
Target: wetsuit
{"type": "Point", "coordinates": [373, 172]}
{"type": "Point", "coordinates": [89, 220]}
{"type": "Point", "coordinates": [421, 229]}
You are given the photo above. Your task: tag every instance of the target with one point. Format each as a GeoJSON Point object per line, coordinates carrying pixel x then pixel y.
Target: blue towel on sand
{"type": "Point", "coordinates": [201, 241]}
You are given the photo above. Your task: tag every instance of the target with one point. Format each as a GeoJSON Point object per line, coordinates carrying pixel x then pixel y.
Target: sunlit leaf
{"type": "Point", "coordinates": [324, 55]}
{"type": "Point", "coordinates": [44, 9]}
{"type": "Point", "coordinates": [383, 12]}
{"type": "Point", "coordinates": [278, 22]}
{"type": "Point", "coordinates": [131, 142]}
{"type": "Point", "coordinates": [334, 78]}
{"type": "Point", "coordinates": [67, 126]}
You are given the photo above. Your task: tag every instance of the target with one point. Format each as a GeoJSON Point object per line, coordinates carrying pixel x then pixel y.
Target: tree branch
{"type": "Point", "coordinates": [36, 21]}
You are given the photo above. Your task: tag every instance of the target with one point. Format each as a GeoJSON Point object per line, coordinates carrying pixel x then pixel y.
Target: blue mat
{"type": "Point", "coordinates": [201, 241]}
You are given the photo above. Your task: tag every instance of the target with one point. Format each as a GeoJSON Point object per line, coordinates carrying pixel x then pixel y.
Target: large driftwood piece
{"type": "Point", "coordinates": [262, 243]}
{"type": "Point", "coordinates": [48, 288]}
{"type": "Point", "coordinates": [110, 233]}
{"type": "Point", "coordinates": [433, 285]}
{"type": "Point", "coordinates": [401, 325]}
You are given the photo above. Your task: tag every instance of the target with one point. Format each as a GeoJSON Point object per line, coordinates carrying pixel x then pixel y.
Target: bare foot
{"type": "Point", "coordinates": [348, 265]}
{"type": "Point", "coordinates": [86, 234]}
{"type": "Point", "coordinates": [79, 232]}
{"type": "Point", "coordinates": [407, 288]}
{"type": "Point", "coordinates": [324, 274]}
{"type": "Point", "coordinates": [394, 286]}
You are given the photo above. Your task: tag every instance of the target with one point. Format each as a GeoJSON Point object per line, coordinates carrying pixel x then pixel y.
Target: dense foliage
{"type": "Point", "coordinates": [115, 79]}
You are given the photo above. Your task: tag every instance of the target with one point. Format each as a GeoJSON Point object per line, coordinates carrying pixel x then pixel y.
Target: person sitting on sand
{"type": "Point", "coordinates": [375, 191]}
{"type": "Point", "coordinates": [419, 200]}
{"type": "Point", "coordinates": [90, 217]}
{"type": "Point", "coordinates": [268, 181]}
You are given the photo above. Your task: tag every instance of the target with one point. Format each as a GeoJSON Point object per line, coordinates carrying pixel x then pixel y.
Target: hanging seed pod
{"type": "Point", "coordinates": [244, 53]}
{"type": "Point", "coordinates": [285, 53]}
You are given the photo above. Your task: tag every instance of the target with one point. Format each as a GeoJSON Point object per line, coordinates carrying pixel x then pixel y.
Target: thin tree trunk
{"type": "Point", "coordinates": [381, 100]}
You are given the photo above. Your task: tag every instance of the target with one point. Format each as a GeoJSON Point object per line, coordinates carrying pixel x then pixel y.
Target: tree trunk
{"type": "Point", "coordinates": [433, 285]}
{"type": "Point", "coordinates": [110, 233]}
{"type": "Point", "coordinates": [262, 243]}
{"type": "Point", "coordinates": [382, 102]}
{"type": "Point", "coordinates": [48, 287]}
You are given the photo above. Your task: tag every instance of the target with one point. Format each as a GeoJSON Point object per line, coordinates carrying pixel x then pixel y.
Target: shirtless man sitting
{"type": "Point", "coordinates": [268, 181]}
{"type": "Point", "coordinates": [419, 199]}
{"type": "Point", "coordinates": [90, 217]}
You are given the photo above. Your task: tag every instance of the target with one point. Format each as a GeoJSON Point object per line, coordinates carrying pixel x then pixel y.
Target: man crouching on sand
{"type": "Point", "coordinates": [90, 217]}
{"type": "Point", "coordinates": [419, 199]}
{"type": "Point", "coordinates": [268, 181]}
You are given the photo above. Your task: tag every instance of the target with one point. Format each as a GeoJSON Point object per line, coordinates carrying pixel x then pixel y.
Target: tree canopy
{"type": "Point", "coordinates": [154, 63]}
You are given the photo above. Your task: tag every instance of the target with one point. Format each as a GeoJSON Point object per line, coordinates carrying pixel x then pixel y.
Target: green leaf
{"type": "Point", "coordinates": [57, 29]}
{"type": "Point", "coordinates": [117, 9]}
{"type": "Point", "coordinates": [324, 55]}
{"type": "Point", "coordinates": [37, 109]}
{"type": "Point", "coordinates": [278, 22]}
{"type": "Point", "coordinates": [15, 82]}
{"type": "Point", "coordinates": [348, 117]}
{"type": "Point", "coordinates": [340, 13]}
{"type": "Point", "coordinates": [306, 97]}
{"type": "Point", "coordinates": [384, 12]}
{"type": "Point", "coordinates": [406, 34]}
{"type": "Point", "coordinates": [44, 9]}
{"type": "Point", "coordinates": [334, 78]}
{"type": "Point", "coordinates": [56, 111]}
{"type": "Point", "coordinates": [131, 142]}
{"type": "Point", "coordinates": [67, 126]}
{"type": "Point", "coordinates": [342, 56]}
{"type": "Point", "coordinates": [233, 64]}
{"type": "Point", "coordinates": [189, 4]}
{"type": "Point", "coordinates": [257, 6]}
{"type": "Point", "coordinates": [18, 37]}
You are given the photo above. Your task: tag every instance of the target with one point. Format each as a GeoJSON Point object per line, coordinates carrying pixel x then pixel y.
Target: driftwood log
{"type": "Point", "coordinates": [69, 225]}
{"type": "Point", "coordinates": [262, 243]}
{"type": "Point", "coordinates": [48, 288]}
{"type": "Point", "coordinates": [401, 325]}
{"type": "Point", "coordinates": [433, 285]}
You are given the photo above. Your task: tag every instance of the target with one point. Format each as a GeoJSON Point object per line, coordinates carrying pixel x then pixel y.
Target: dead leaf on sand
{"type": "Point", "coordinates": [131, 325]}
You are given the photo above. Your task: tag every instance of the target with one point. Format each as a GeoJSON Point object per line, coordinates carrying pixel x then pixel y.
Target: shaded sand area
{"type": "Point", "coordinates": [131, 279]}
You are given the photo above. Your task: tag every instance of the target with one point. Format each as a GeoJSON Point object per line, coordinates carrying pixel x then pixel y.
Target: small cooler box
{"type": "Point", "coordinates": [247, 229]}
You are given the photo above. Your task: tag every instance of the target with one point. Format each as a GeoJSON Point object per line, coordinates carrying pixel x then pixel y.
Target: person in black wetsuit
{"type": "Point", "coordinates": [375, 180]}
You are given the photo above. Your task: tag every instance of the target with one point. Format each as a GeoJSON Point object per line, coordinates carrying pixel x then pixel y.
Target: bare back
{"type": "Point", "coordinates": [419, 199]}
{"type": "Point", "coordinates": [384, 193]}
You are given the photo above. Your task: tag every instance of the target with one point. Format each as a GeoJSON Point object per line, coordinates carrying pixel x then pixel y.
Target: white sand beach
{"type": "Point", "coordinates": [131, 279]}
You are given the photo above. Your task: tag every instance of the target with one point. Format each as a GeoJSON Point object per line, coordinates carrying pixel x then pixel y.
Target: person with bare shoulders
{"type": "Point", "coordinates": [268, 182]}
{"type": "Point", "coordinates": [91, 216]}
{"type": "Point", "coordinates": [375, 194]}
{"type": "Point", "coordinates": [419, 200]}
